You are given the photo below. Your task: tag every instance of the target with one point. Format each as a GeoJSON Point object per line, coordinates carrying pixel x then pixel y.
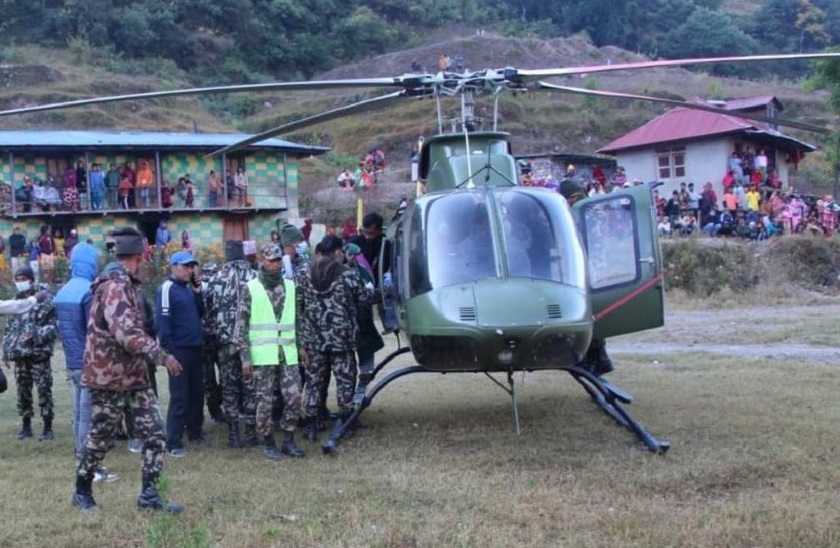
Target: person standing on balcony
{"type": "Point", "coordinates": [97, 186]}
{"type": "Point", "coordinates": [17, 248]}
{"type": "Point", "coordinates": [240, 180]}
{"type": "Point", "coordinates": [112, 181]}
{"type": "Point", "coordinates": [145, 181]}
{"type": "Point", "coordinates": [213, 186]}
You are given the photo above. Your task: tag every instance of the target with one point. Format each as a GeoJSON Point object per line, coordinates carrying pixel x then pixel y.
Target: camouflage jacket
{"type": "Point", "coordinates": [31, 334]}
{"type": "Point", "coordinates": [243, 319]}
{"type": "Point", "coordinates": [224, 291]}
{"type": "Point", "coordinates": [117, 347]}
{"type": "Point", "coordinates": [327, 307]}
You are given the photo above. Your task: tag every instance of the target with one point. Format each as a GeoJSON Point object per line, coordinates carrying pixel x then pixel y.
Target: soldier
{"type": "Point", "coordinates": [327, 303]}
{"type": "Point", "coordinates": [295, 264]}
{"type": "Point", "coordinates": [265, 337]}
{"type": "Point", "coordinates": [224, 291]}
{"type": "Point", "coordinates": [369, 341]}
{"type": "Point", "coordinates": [28, 343]}
{"type": "Point", "coordinates": [212, 390]}
{"type": "Point", "coordinates": [116, 353]}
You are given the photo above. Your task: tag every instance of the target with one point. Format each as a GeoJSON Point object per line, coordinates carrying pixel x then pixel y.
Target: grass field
{"type": "Point", "coordinates": [753, 463]}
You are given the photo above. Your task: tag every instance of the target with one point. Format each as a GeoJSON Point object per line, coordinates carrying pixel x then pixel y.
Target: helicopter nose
{"type": "Point", "coordinates": [524, 303]}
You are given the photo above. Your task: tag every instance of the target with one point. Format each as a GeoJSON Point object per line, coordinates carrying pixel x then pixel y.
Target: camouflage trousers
{"type": "Point", "coordinates": [39, 373]}
{"type": "Point", "coordinates": [212, 389]}
{"type": "Point", "coordinates": [237, 393]}
{"type": "Point", "coordinates": [343, 367]}
{"type": "Point", "coordinates": [106, 414]}
{"type": "Point", "coordinates": [270, 384]}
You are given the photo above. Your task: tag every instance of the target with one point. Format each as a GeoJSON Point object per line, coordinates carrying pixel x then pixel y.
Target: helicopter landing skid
{"type": "Point", "coordinates": [608, 397]}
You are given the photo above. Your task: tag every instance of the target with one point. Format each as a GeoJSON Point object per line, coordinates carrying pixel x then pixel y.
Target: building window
{"type": "Point", "coordinates": [670, 163]}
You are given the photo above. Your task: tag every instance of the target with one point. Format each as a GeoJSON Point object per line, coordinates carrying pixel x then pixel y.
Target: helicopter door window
{"type": "Point", "coordinates": [610, 232]}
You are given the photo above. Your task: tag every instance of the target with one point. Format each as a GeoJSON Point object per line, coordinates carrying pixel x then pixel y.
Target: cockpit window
{"type": "Point", "coordinates": [459, 240]}
{"type": "Point", "coordinates": [540, 241]}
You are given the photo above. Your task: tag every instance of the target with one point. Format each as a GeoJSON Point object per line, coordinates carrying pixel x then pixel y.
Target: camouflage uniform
{"type": "Point", "coordinates": [267, 377]}
{"type": "Point", "coordinates": [212, 388]}
{"type": "Point", "coordinates": [327, 303]}
{"type": "Point", "coordinates": [116, 352]}
{"type": "Point", "coordinates": [300, 267]}
{"type": "Point", "coordinates": [224, 291]}
{"type": "Point", "coordinates": [28, 342]}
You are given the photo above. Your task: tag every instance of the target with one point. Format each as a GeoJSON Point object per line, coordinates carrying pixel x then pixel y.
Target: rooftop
{"type": "Point", "coordinates": [53, 139]}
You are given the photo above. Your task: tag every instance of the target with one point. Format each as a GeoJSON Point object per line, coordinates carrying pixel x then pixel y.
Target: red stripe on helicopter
{"type": "Point", "coordinates": [630, 296]}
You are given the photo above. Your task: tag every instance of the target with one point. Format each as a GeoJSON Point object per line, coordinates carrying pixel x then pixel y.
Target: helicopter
{"type": "Point", "coordinates": [485, 275]}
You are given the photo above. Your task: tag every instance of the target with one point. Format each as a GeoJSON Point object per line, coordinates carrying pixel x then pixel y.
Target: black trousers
{"type": "Point", "coordinates": [186, 397]}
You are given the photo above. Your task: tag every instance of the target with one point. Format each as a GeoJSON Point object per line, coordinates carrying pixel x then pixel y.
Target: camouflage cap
{"type": "Point", "coordinates": [209, 268]}
{"type": "Point", "coordinates": [272, 252]}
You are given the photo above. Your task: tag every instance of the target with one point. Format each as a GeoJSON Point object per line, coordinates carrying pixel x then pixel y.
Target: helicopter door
{"type": "Point", "coordinates": [624, 261]}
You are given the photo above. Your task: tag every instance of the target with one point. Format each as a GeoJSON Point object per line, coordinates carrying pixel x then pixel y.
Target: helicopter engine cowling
{"type": "Point", "coordinates": [493, 325]}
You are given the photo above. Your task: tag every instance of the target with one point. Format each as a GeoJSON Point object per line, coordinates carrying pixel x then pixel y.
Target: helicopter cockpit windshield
{"type": "Point", "coordinates": [506, 233]}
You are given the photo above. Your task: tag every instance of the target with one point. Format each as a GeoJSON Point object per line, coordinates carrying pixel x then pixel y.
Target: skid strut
{"type": "Point", "coordinates": [609, 398]}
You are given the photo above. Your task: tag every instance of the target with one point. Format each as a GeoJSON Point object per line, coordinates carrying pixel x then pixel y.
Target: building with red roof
{"type": "Point", "coordinates": [688, 145]}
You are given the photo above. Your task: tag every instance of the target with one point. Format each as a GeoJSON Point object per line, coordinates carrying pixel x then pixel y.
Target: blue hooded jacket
{"type": "Point", "coordinates": [72, 321]}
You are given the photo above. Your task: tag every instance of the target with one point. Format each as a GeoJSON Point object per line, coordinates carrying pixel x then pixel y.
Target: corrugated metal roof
{"type": "Point", "coordinates": [138, 139]}
{"type": "Point", "coordinates": [680, 124]}
{"type": "Point", "coordinates": [752, 102]}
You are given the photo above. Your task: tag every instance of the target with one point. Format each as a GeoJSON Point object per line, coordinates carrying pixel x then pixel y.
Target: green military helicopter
{"type": "Point", "coordinates": [489, 276]}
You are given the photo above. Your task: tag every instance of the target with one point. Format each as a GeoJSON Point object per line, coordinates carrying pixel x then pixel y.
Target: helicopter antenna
{"type": "Point", "coordinates": [496, 109]}
{"type": "Point", "coordinates": [511, 391]}
{"type": "Point", "coordinates": [439, 114]}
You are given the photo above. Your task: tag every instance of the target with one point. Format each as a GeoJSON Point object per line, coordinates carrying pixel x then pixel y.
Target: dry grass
{"type": "Point", "coordinates": [753, 463]}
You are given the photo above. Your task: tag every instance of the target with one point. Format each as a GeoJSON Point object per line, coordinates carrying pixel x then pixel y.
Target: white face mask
{"type": "Point", "coordinates": [23, 286]}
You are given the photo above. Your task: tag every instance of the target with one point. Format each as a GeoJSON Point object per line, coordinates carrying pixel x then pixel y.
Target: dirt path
{"type": "Point", "coordinates": [783, 332]}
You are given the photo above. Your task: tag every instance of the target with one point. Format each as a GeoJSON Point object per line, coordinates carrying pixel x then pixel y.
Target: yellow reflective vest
{"type": "Point", "coordinates": [266, 335]}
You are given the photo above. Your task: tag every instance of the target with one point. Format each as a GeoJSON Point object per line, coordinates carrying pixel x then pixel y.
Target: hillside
{"type": "Point", "coordinates": [539, 122]}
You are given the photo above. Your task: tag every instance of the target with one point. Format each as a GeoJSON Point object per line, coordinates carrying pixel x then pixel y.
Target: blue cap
{"type": "Point", "coordinates": [182, 257]}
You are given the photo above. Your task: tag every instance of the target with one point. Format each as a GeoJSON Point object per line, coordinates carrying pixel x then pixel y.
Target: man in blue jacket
{"type": "Point", "coordinates": [72, 326]}
{"type": "Point", "coordinates": [179, 311]}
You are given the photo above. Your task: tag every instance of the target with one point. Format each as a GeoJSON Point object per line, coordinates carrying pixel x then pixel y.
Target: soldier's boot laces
{"type": "Point", "coordinates": [150, 499]}
{"type": "Point", "coordinates": [310, 430]}
{"type": "Point", "coordinates": [289, 447]}
{"type": "Point", "coordinates": [233, 435]}
{"type": "Point", "coordinates": [251, 439]}
{"type": "Point", "coordinates": [25, 429]}
{"type": "Point", "coordinates": [271, 450]}
{"type": "Point", "coordinates": [83, 495]}
{"type": "Point", "coordinates": [47, 435]}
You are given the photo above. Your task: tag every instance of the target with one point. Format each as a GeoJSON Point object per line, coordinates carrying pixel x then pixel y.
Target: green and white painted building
{"type": "Point", "coordinates": [271, 167]}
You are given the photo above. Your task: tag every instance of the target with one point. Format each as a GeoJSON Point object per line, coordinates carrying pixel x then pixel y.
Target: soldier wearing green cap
{"type": "Point", "coordinates": [264, 335]}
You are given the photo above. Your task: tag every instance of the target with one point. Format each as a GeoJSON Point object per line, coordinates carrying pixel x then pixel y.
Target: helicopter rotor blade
{"type": "Point", "coordinates": [532, 74]}
{"type": "Point", "coordinates": [358, 107]}
{"type": "Point", "coordinates": [404, 82]}
{"type": "Point", "coordinates": [686, 104]}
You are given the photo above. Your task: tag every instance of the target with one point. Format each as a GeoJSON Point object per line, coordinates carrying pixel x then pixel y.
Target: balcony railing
{"type": "Point", "coordinates": [158, 201]}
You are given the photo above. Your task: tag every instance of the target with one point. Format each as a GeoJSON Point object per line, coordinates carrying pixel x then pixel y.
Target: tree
{"type": "Point", "coordinates": [708, 33]}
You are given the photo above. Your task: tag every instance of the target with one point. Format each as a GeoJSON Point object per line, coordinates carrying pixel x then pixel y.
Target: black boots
{"type": "Point", "coordinates": [289, 447]}
{"type": "Point", "coordinates": [310, 429]}
{"type": "Point", "coordinates": [596, 359]}
{"type": "Point", "coordinates": [251, 439]}
{"type": "Point", "coordinates": [271, 451]}
{"type": "Point", "coordinates": [47, 435]}
{"type": "Point", "coordinates": [150, 498]}
{"type": "Point", "coordinates": [25, 429]}
{"type": "Point", "coordinates": [83, 495]}
{"type": "Point", "coordinates": [233, 434]}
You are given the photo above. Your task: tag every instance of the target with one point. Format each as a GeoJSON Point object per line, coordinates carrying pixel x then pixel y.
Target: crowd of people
{"type": "Point", "coordinates": [124, 187]}
{"type": "Point", "coordinates": [255, 339]}
{"type": "Point", "coordinates": [366, 173]}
